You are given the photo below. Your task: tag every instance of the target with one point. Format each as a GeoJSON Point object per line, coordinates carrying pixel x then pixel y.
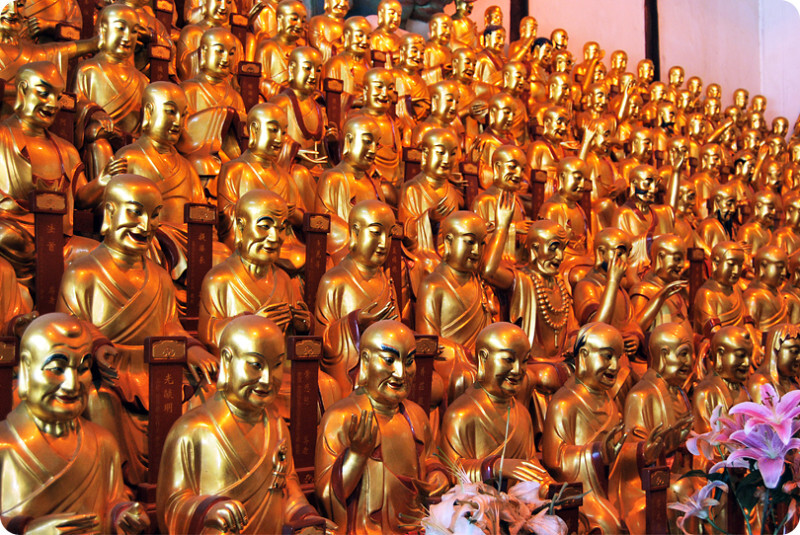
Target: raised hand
{"type": "Point", "coordinates": [504, 211]}
{"type": "Point", "coordinates": [362, 433]}
{"type": "Point", "coordinates": [202, 364]}
{"type": "Point", "coordinates": [612, 442]}
{"type": "Point", "coordinates": [228, 516]}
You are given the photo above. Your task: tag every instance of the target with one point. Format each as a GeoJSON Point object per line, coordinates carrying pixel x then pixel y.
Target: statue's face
{"type": "Point", "coordinates": [508, 172]}
{"type": "Point", "coordinates": [529, 27]}
{"type": "Point", "coordinates": [602, 137]}
{"type": "Point", "coordinates": [765, 211]}
{"type": "Point", "coordinates": [666, 115]}
{"type": "Point", "coordinates": [773, 177]}
{"type": "Point", "coordinates": [695, 86]}
{"type": "Point", "coordinates": [776, 145]}
{"type": "Point", "coordinates": [40, 100]}
{"type": "Point", "coordinates": [390, 15]}
{"type": "Point", "coordinates": [501, 115]}
{"type": "Point", "coordinates": [466, 246]}
{"type": "Point", "coordinates": [390, 370]}
{"type": "Point", "coordinates": [670, 261]}
{"type": "Point", "coordinates": [464, 66]}
{"type": "Point", "coordinates": [440, 29]}
{"type": "Point", "coordinates": [11, 17]}
{"type": "Point", "coordinates": [728, 269]}
{"type": "Point", "coordinates": [559, 89]}
{"type": "Point", "coordinates": [687, 198]}
{"type": "Point", "coordinates": [218, 11]}
{"type": "Point", "coordinates": [642, 146]}
{"type": "Point", "coordinates": [726, 206]}
{"type": "Point", "coordinates": [560, 39]}
{"type": "Point", "coordinates": [740, 97]}
{"type": "Point", "coordinates": [291, 23]}
{"type": "Point", "coordinates": [544, 54]}
{"type": "Point", "coordinates": [555, 126]}
{"type": "Point", "coordinates": [773, 272]}
{"type": "Point", "coordinates": [562, 63]}
{"type": "Point", "coordinates": [134, 219]}
{"type": "Point", "coordinates": [745, 166]}
{"type": "Point", "coordinates": [645, 185]}
{"type": "Point", "coordinates": [591, 51]}
{"type": "Point", "coordinates": [734, 361]}
{"type": "Point", "coordinates": [363, 145]}
{"type": "Point", "coordinates": [166, 118]}
{"type": "Point", "coordinates": [412, 52]}
{"type": "Point", "coordinates": [711, 107]}
{"type": "Point", "coordinates": [119, 34]}
{"type": "Point", "coordinates": [610, 250]}
{"type": "Point", "coordinates": [304, 74]}
{"type": "Point", "coordinates": [678, 358]}
{"type": "Point", "coordinates": [337, 8]}
{"type": "Point", "coordinates": [357, 39]}
{"type": "Point", "coordinates": [645, 72]}
{"type": "Point", "coordinates": [759, 103]}
{"type": "Point", "coordinates": [514, 79]}
{"type": "Point", "coordinates": [657, 92]}
{"type": "Point", "coordinates": [676, 76]}
{"type": "Point", "coordinates": [504, 370]}
{"type": "Point", "coordinates": [573, 182]}
{"type": "Point", "coordinates": [255, 372]}
{"type": "Point", "coordinates": [263, 231]}
{"type": "Point", "coordinates": [711, 160]}
{"type": "Point", "coordinates": [57, 373]}
{"type": "Point", "coordinates": [793, 213]}
{"type": "Point", "coordinates": [619, 61]}
{"type": "Point", "coordinates": [444, 105]}
{"type": "Point", "coordinates": [496, 40]}
{"type": "Point", "coordinates": [465, 7]}
{"type": "Point", "coordinates": [756, 120]}
{"type": "Point", "coordinates": [780, 126]}
{"type": "Point", "coordinates": [493, 16]}
{"type": "Point", "coordinates": [439, 158]}
{"type": "Point", "coordinates": [599, 74]}
{"type": "Point", "coordinates": [600, 359]}
{"type": "Point", "coordinates": [714, 91]}
{"type": "Point", "coordinates": [684, 97]}
{"type": "Point", "coordinates": [378, 92]}
{"type": "Point", "coordinates": [370, 244]}
{"type": "Point", "coordinates": [696, 126]}
{"type": "Point", "coordinates": [547, 254]}
{"type": "Point", "coordinates": [788, 358]}
{"type": "Point", "coordinates": [216, 58]}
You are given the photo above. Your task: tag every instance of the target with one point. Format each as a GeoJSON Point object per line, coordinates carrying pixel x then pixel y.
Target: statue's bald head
{"type": "Point", "coordinates": [128, 186]}
{"type": "Point", "coordinates": [40, 70]}
{"type": "Point", "coordinates": [50, 330]}
{"type": "Point", "coordinates": [217, 35]}
{"type": "Point", "coordinates": [366, 213]}
{"type": "Point", "coordinates": [287, 8]}
{"type": "Point", "coordinates": [266, 112]}
{"type": "Point", "coordinates": [671, 347]}
{"type": "Point", "coordinates": [258, 202]}
{"type": "Point", "coordinates": [159, 92]}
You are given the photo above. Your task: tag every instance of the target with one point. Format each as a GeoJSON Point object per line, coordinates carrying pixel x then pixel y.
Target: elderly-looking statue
{"type": "Point", "coordinates": [781, 363]}
{"type": "Point", "coordinates": [385, 38]}
{"type": "Point", "coordinates": [215, 13]}
{"type": "Point", "coordinates": [61, 473]}
{"type": "Point", "coordinates": [242, 479]}
{"type": "Point", "coordinates": [375, 462]}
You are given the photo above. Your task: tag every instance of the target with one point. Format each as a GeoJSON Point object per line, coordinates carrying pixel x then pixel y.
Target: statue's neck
{"type": "Point", "coordinates": [257, 271]}
{"type": "Point", "coordinates": [124, 259]}
{"type": "Point", "coordinates": [57, 429]}
{"type": "Point", "coordinates": [249, 416]}
{"type": "Point", "coordinates": [462, 277]}
{"type": "Point", "coordinates": [30, 128]}
{"type": "Point", "coordinates": [383, 408]}
{"type": "Point", "coordinates": [160, 146]}
{"type": "Point", "coordinates": [366, 272]}
{"type": "Point", "coordinates": [348, 166]}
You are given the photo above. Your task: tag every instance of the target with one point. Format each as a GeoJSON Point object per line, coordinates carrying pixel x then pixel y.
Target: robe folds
{"type": "Point", "coordinates": [386, 499]}
{"type": "Point", "coordinates": [45, 483]}
{"type": "Point", "coordinates": [207, 458]}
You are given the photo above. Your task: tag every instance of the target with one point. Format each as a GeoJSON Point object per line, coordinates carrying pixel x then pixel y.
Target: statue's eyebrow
{"type": "Point", "coordinates": [395, 352]}
{"type": "Point", "coordinates": [53, 358]}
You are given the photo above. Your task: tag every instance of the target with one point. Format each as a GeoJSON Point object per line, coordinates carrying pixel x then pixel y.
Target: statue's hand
{"type": "Point", "coordinates": [441, 210]}
{"type": "Point", "coordinates": [37, 26]}
{"type": "Point", "coordinates": [678, 433]}
{"type": "Point", "coordinates": [612, 442]}
{"type": "Point", "coordinates": [524, 226]}
{"type": "Point", "coordinates": [228, 516]}
{"type": "Point", "coordinates": [106, 357]}
{"type": "Point", "coordinates": [523, 470]}
{"type": "Point", "coordinates": [362, 433]}
{"type": "Point", "coordinates": [617, 269]}
{"type": "Point", "coordinates": [504, 211]}
{"type": "Point", "coordinates": [63, 524]}
{"type": "Point", "coordinates": [133, 519]}
{"type": "Point", "coordinates": [301, 317]}
{"type": "Point", "coordinates": [100, 126]}
{"type": "Point", "coordinates": [434, 485]}
{"type": "Point", "coordinates": [654, 444]}
{"type": "Point", "coordinates": [114, 167]}
{"type": "Point", "coordinates": [202, 364]}
{"type": "Point", "coordinates": [479, 109]}
{"type": "Point", "coordinates": [763, 150]}
{"type": "Point", "coordinates": [631, 344]}
{"type": "Point", "coordinates": [280, 313]}
{"type": "Point", "coordinates": [673, 288]}
{"type": "Point", "coordinates": [374, 313]}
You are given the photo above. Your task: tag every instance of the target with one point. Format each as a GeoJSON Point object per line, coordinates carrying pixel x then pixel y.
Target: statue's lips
{"type": "Point", "coordinates": [610, 376]}
{"type": "Point", "coordinates": [68, 399]}
{"type": "Point", "coordinates": [262, 392]}
{"type": "Point", "coordinates": [138, 238]}
{"type": "Point", "coordinates": [396, 385]}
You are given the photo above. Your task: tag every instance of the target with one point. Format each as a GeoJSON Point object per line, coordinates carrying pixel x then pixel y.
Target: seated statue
{"type": "Point", "coordinates": [660, 297]}
{"type": "Point", "coordinates": [109, 89]}
{"type": "Point", "coordinates": [385, 38]}
{"type": "Point", "coordinates": [207, 140]}
{"type": "Point", "coordinates": [444, 112]}
{"type": "Point", "coordinates": [453, 302]}
{"type": "Point", "coordinates": [61, 473]}
{"type": "Point", "coordinates": [508, 163]}
{"type": "Point", "coordinates": [491, 58]}
{"type": "Point", "coordinates": [325, 30]}
{"type": "Point", "coordinates": [757, 232]}
{"type": "Point", "coordinates": [242, 478]}
{"type": "Point", "coordinates": [724, 386]}
{"type": "Point", "coordinates": [125, 297]}
{"type": "Point", "coordinates": [413, 100]}
{"type": "Point", "coordinates": [351, 181]}
{"type": "Point", "coordinates": [547, 151]}
{"type": "Point", "coordinates": [352, 61]}
{"type": "Point", "coordinates": [16, 305]}
{"type": "Point", "coordinates": [788, 235]}
{"type": "Point", "coordinates": [356, 292]}
{"type": "Point", "coordinates": [151, 32]}
{"type": "Point", "coordinates": [471, 94]}
{"type": "Point", "coordinates": [540, 303]}
{"type": "Point", "coordinates": [486, 431]}
{"type": "Point", "coordinates": [375, 460]}
{"type": "Point", "coordinates": [438, 56]}
{"type": "Point", "coordinates": [32, 159]}
{"type": "Point", "coordinates": [658, 418]}
{"type": "Point", "coordinates": [215, 13]}
{"type": "Point", "coordinates": [744, 177]}
{"type": "Point", "coordinates": [465, 31]}
{"type": "Point", "coordinates": [583, 429]}
{"type": "Point", "coordinates": [427, 199]}
{"type": "Point", "coordinates": [766, 303]}
{"type": "Point", "coordinates": [273, 52]}
{"type": "Point", "coordinates": [781, 363]}
{"type": "Point", "coordinates": [720, 225]}
{"type": "Point", "coordinates": [497, 133]}
{"type": "Point", "coordinates": [378, 88]}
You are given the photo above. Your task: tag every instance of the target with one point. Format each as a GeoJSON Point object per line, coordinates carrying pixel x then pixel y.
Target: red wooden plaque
{"type": "Point", "coordinates": [316, 228]}
{"type": "Point", "coordinates": [49, 209]}
{"type": "Point", "coordinates": [200, 219]}
{"type": "Point", "coordinates": [249, 77]}
{"type": "Point", "coordinates": [655, 482]}
{"type": "Point", "coordinates": [9, 358]}
{"type": "Point", "coordinates": [304, 352]}
{"type": "Point", "coordinates": [427, 348]}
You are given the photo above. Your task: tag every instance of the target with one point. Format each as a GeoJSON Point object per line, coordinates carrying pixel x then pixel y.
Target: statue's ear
{"type": "Point", "coordinates": [252, 134]}
{"type": "Point", "coordinates": [348, 142]}
{"type": "Point", "coordinates": [225, 357]}
{"type": "Point", "coordinates": [582, 354]}
{"type": "Point", "coordinates": [22, 382]}
{"type": "Point", "coordinates": [109, 210]}
{"type": "Point", "coordinates": [21, 87]}
{"type": "Point", "coordinates": [147, 114]}
{"type": "Point", "coordinates": [363, 364]}
{"type": "Point", "coordinates": [483, 354]}
{"type": "Point", "coordinates": [238, 229]}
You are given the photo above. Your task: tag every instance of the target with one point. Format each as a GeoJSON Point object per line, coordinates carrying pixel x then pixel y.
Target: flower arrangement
{"type": "Point", "coordinates": [756, 460]}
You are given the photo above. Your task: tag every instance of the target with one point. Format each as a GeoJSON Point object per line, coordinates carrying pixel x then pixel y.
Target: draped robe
{"type": "Point", "coordinates": [713, 392]}
{"type": "Point", "coordinates": [675, 308]}
{"type": "Point", "coordinates": [485, 205]}
{"type": "Point", "coordinates": [208, 458]}
{"type": "Point", "coordinates": [643, 228]}
{"type": "Point", "coordinates": [38, 481]}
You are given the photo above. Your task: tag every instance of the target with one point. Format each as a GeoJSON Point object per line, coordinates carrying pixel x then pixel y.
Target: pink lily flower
{"type": "Point", "coordinates": [699, 504]}
{"type": "Point", "coordinates": [779, 412]}
{"type": "Point", "coordinates": [764, 445]}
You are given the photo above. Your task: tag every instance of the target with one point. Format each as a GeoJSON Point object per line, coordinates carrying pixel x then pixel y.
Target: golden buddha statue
{"type": "Point", "coordinates": [600, 296]}
{"type": "Point", "coordinates": [743, 179]}
{"type": "Point", "coordinates": [243, 479]}
{"type": "Point", "coordinates": [126, 297]}
{"type": "Point", "coordinates": [325, 31]}
{"type": "Point", "coordinates": [559, 39]}
{"type": "Point", "coordinates": [546, 151]}
{"type": "Point", "coordinates": [514, 82]}
{"type": "Point", "coordinates": [720, 225]}
{"type": "Point", "coordinates": [264, 17]}
{"type": "Point", "coordinates": [685, 215]}
{"type": "Point", "coordinates": [427, 199]}
{"type": "Point", "coordinates": [465, 31]}
{"type": "Point", "coordinates": [273, 53]}
{"type": "Point", "coordinates": [444, 112]}
{"type": "Point", "coordinates": [603, 174]}
{"type": "Point", "coordinates": [592, 54]}
{"type": "Point", "coordinates": [740, 98]}
{"type": "Point", "coordinates": [781, 363]}
{"type": "Point", "coordinates": [583, 429]}
{"type": "Point", "coordinates": [490, 58]}
{"type": "Point", "coordinates": [109, 88]}
{"type": "Point", "coordinates": [780, 126]}
{"type": "Point", "coordinates": [788, 235]}
{"type": "Point", "coordinates": [712, 110]}
{"type": "Point", "coordinates": [486, 431]}
{"type": "Point", "coordinates": [351, 181]}
{"type": "Point", "coordinates": [378, 89]}
{"type": "Point", "coordinates": [766, 303]}
{"type": "Point", "coordinates": [640, 153]}
{"type": "Point", "coordinates": [356, 292]}
{"type": "Point", "coordinates": [757, 232]}
{"type": "Point", "coordinates": [61, 473]}
{"type": "Point", "coordinates": [540, 301]}
{"type": "Point", "coordinates": [453, 302]}
{"type": "Point", "coordinates": [719, 301]}
{"type": "Point", "coordinates": [352, 61]}
{"type": "Point", "coordinates": [694, 84]}
{"type": "Point", "coordinates": [791, 173]}
{"type": "Point", "coordinates": [472, 93]}
{"type": "Point", "coordinates": [413, 102]}
{"type": "Point", "coordinates": [151, 32]}
{"type": "Point", "coordinates": [258, 168]}
{"type": "Point", "coordinates": [501, 116]}
{"type": "Point", "coordinates": [676, 77]}
{"type": "Point", "coordinates": [522, 47]}
{"type": "Point", "coordinates": [370, 477]}
{"type": "Point", "coordinates": [665, 127]}
{"type": "Point", "coordinates": [707, 179]}
{"type": "Point", "coordinates": [724, 386]}
{"type": "Point", "coordinates": [660, 297]}
{"type": "Point", "coordinates": [619, 66]}
{"type": "Point", "coordinates": [642, 217]}
{"type": "Point", "coordinates": [558, 94]}
{"type": "Point", "coordinates": [32, 160]}
{"type": "Point", "coordinates": [563, 208]}
{"type": "Point", "coordinates": [508, 164]}
{"type": "Point", "coordinates": [644, 76]}
{"type": "Point", "coordinates": [211, 103]}
{"type": "Point", "coordinates": [16, 53]}
{"type": "Point", "coordinates": [541, 61]}
{"type": "Point", "coordinates": [215, 13]}
{"type": "Point", "coordinates": [658, 417]}
{"type": "Point", "coordinates": [438, 56]}
{"type": "Point", "coordinates": [385, 38]}
{"type": "Point", "coordinates": [596, 95]}
{"type": "Point", "coordinates": [649, 113]}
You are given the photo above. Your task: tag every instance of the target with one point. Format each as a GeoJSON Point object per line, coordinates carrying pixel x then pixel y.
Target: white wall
{"type": "Point", "coordinates": [780, 71]}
